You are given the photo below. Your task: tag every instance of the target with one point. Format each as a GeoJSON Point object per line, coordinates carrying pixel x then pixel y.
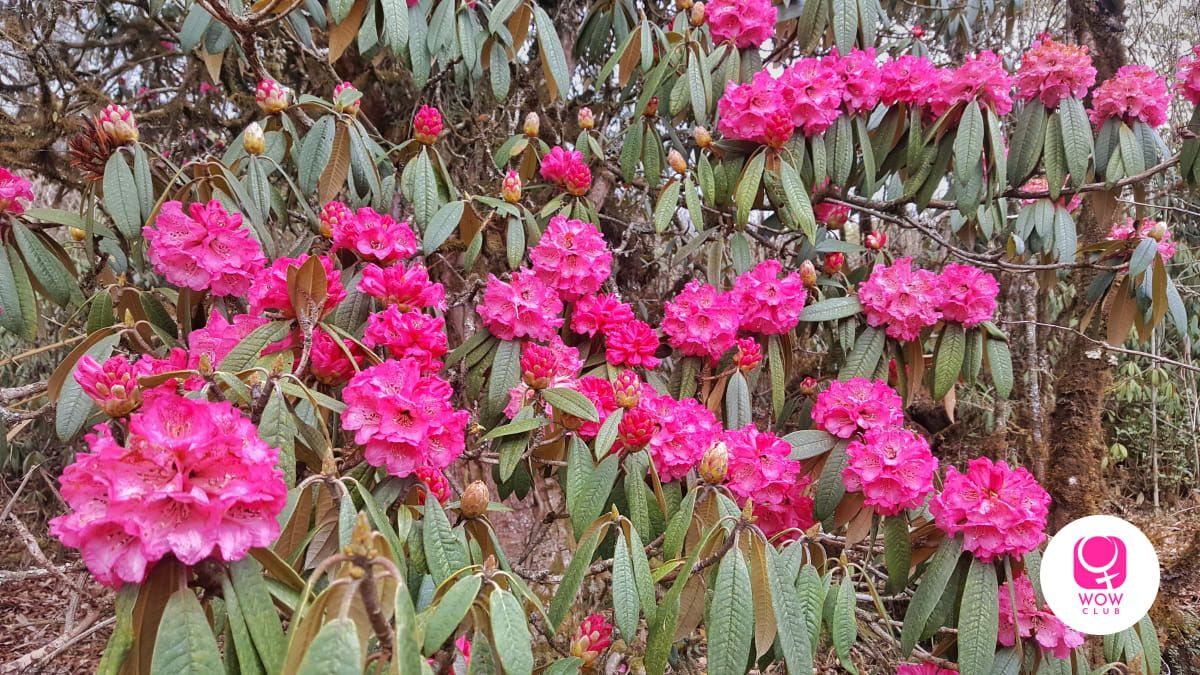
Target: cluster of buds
{"type": "Point", "coordinates": [702, 137]}
{"type": "Point", "coordinates": [271, 97]}
{"type": "Point", "coordinates": [578, 179]}
{"type": "Point", "coordinates": [346, 99]}
{"type": "Point", "coordinates": [677, 162]}
{"type": "Point", "coordinates": [697, 15]}
{"type": "Point", "coordinates": [117, 123]}
{"type": "Point", "coordinates": [875, 240]}
{"type": "Point", "coordinates": [834, 262]}
{"type": "Point", "coordinates": [748, 355]}
{"type": "Point", "coordinates": [591, 639]}
{"type": "Point", "coordinates": [809, 386]}
{"type": "Point", "coordinates": [253, 141]}
{"type": "Point", "coordinates": [808, 274]}
{"type": "Point", "coordinates": [510, 189]}
{"type": "Point", "coordinates": [651, 107]}
{"type": "Point", "coordinates": [715, 464]}
{"type": "Point", "coordinates": [636, 428]}
{"type": "Point", "coordinates": [627, 389]}
{"type": "Point", "coordinates": [434, 483]}
{"type": "Point", "coordinates": [586, 119]}
{"type": "Point", "coordinates": [533, 125]}
{"type": "Point", "coordinates": [427, 125]}
{"type": "Point", "coordinates": [475, 500]}
{"type": "Point", "coordinates": [333, 215]}
{"type": "Point", "coordinates": [112, 385]}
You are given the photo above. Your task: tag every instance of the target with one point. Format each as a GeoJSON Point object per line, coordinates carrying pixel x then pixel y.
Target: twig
{"type": "Point", "coordinates": [1106, 346]}
{"type": "Point", "coordinates": [58, 645]}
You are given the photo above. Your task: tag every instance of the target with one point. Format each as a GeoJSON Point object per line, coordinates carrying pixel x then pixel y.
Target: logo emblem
{"type": "Point", "coordinates": [1085, 575]}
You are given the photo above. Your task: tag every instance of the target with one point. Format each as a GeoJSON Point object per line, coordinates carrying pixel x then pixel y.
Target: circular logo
{"type": "Point", "coordinates": [1100, 575]}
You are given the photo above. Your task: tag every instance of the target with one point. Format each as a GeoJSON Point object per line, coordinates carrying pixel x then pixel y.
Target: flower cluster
{"type": "Point", "coordinates": [892, 467]}
{"type": "Point", "coordinates": [600, 313]}
{"type": "Point", "coordinates": [372, 236]}
{"type": "Point", "coordinates": [593, 636]}
{"type": "Point", "coordinates": [999, 510]}
{"type": "Point", "coordinates": [1052, 71]}
{"type": "Point", "coordinates": [981, 77]}
{"type": "Point", "coordinates": [908, 79]}
{"type": "Point", "coordinates": [745, 23]}
{"type": "Point", "coordinates": [769, 305]}
{"type": "Point", "coordinates": [524, 307]}
{"type": "Point", "coordinates": [1149, 228]}
{"type": "Point", "coordinates": [427, 125]}
{"type": "Point", "coordinates": [270, 288]}
{"type": "Point", "coordinates": [113, 385]}
{"type": "Point", "coordinates": [1135, 93]}
{"type": "Point", "coordinates": [765, 110]}
{"type": "Point", "coordinates": [968, 294]}
{"type": "Point", "coordinates": [903, 299]}
{"type": "Point", "coordinates": [857, 405]}
{"type": "Point", "coordinates": [403, 418]}
{"type": "Point", "coordinates": [1051, 634]}
{"type": "Point", "coordinates": [701, 321]}
{"type": "Point", "coordinates": [632, 344]}
{"type": "Point", "coordinates": [811, 92]}
{"type": "Point", "coordinates": [684, 430]}
{"type": "Point", "coordinates": [13, 190]}
{"type": "Point", "coordinates": [409, 335]}
{"type": "Point", "coordinates": [923, 669]}
{"type": "Point", "coordinates": [1187, 76]}
{"type": "Point", "coordinates": [434, 483]}
{"type": "Point", "coordinates": [192, 479]}
{"type": "Point", "coordinates": [543, 367]}
{"type": "Point", "coordinates": [571, 257]}
{"type": "Point", "coordinates": [567, 169]}
{"type": "Point", "coordinates": [407, 288]}
{"type": "Point", "coordinates": [206, 250]}
{"type": "Point", "coordinates": [861, 80]}
{"type": "Point", "coordinates": [759, 470]}
{"type": "Point", "coordinates": [118, 124]}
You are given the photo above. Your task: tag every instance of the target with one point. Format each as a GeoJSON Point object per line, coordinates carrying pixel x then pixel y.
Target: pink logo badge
{"type": "Point", "coordinates": [1100, 562]}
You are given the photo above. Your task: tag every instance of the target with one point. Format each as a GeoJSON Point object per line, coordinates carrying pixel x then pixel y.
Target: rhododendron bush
{"type": "Point", "coordinates": [632, 349]}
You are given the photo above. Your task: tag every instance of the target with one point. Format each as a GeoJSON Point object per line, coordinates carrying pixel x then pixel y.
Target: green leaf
{"type": "Point", "coordinates": [444, 223]}
{"type": "Point", "coordinates": [831, 309]}
{"type": "Point", "coordinates": [730, 624]}
{"type": "Point", "coordinates": [1064, 235]}
{"type": "Point", "coordinates": [254, 599]}
{"type": "Point", "coordinates": [573, 577]}
{"type": "Point", "coordinates": [395, 24]}
{"type": "Point", "coordinates": [695, 84]}
{"type": "Point", "coordinates": [18, 308]}
{"type": "Point", "coordinates": [121, 640]}
{"type": "Point", "coordinates": [809, 443]}
{"type": "Point", "coordinates": [239, 648]}
{"type": "Point", "coordinates": [1076, 138]}
{"type": "Point", "coordinates": [335, 651]}
{"type": "Point", "coordinates": [443, 550]}
{"type": "Point", "coordinates": [121, 198]}
{"type": "Point", "coordinates": [631, 151]}
{"type": "Point", "coordinates": [246, 352]}
{"type": "Point", "coordinates": [424, 189]}
{"type": "Point", "coordinates": [513, 428]}
{"type": "Point", "coordinates": [839, 144]}
{"type": "Point", "coordinates": [1026, 142]}
{"type": "Point", "coordinates": [1152, 655]}
{"type": "Point", "coordinates": [738, 410]}
{"type": "Point", "coordinates": [1131, 152]}
{"type": "Point", "coordinates": [925, 598]}
{"type": "Point", "coordinates": [636, 493]}
{"type": "Point", "coordinates": [498, 68]}
{"type": "Point", "coordinates": [185, 644]}
{"type": "Point", "coordinates": [506, 371]}
{"type": "Point", "coordinates": [897, 551]}
{"type": "Point", "coordinates": [553, 58]}
{"type": "Point", "coordinates": [589, 502]}
{"type": "Point", "coordinates": [405, 651]}
{"type": "Point", "coordinates": [978, 619]}
{"type": "Point", "coordinates": [776, 366]}
{"type": "Point", "coordinates": [1142, 256]}
{"type": "Point", "coordinates": [624, 590]}
{"type": "Point", "coordinates": [450, 611]}
{"type": "Point", "coordinates": [863, 359]}
{"type": "Point", "coordinates": [677, 529]}
{"type": "Point", "coordinates": [511, 450]}
{"type": "Point", "coordinates": [315, 152]}
{"type": "Point", "coordinates": [56, 280]}
{"type": "Point", "coordinates": [1000, 361]}
{"type": "Point", "coordinates": [668, 204]}
{"type": "Point", "coordinates": [845, 24]}
{"type": "Point", "coordinates": [789, 617]}
{"type": "Point", "coordinates": [643, 577]}
{"type": "Point", "coordinates": [74, 406]}
{"type": "Point", "coordinates": [747, 188]}
{"type": "Point", "coordinates": [1054, 156]}
{"type": "Point", "coordinates": [948, 360]}
{"type": "Point", "coordinates": [607, 435]}
{"type": "Point", "coordinates": [571, 402]}
{"type": "Point", "coordinates": [797, 199]}
{"type": "Point", "coordinates": [968, 143]}
{"type": "Point", "coordinates": [514, 243]}
{"type": "Point", "coordinates": [565, 666]}
{"type": "Point", "coordinates": [845, 627]}
{"type": "Point", "coordinates": [830, 487]}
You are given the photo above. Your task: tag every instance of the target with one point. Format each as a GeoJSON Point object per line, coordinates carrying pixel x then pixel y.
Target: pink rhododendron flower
{"type": "Point", "coordinates": [551, 365]}
{"type": "Point", "coordinates": [593, 636]}
{"type": "Point", "coordinates": [413, 336]}
{"type": "Point", "coordinates": [578, 179]}
{"type": "Point", "coordinates": [631, 344]}
{"type": "Point", "coordinates": [407, 288]}
{"type": "Point", "coordinates": [685, 430]}
{"type": "Point", "coordinates": [923, 669]}
{"type": "Point", "coordinates": [701, 321]}
{"type": "Point", "coordinates": [998, 510]}
{"type": "Point", "coordinates": [759, 469]}
{"type": "Point", "coordinates": [346, 98]}
{"type": "Point", "coordinates": [219, 336]}
{"type": "Point", "coordinates": [747, 109]}
{"type": "Point", "coordinates": [908, 79]}
{"type": "Point", "coordinates": [892, 467]}
{"type": "Point", "coordinates": [208, 250]}
{"type": "Point", "coordinates": [433, 482]}
{"type": "Point", "coordinates": [1135, 93]}
{"type": "Point", "coordinates": [1039, 184]}
{"type": "Point", "coordinates": [270, 289]}
{"type": "Point", "coordinates": [980, 77]}
{"type": "Point", "coordinates": [1051, 634]}
{"type": "Point", "coordinates": [968, 294]}
{"type": "Point", "coordinates": [1128, 231]}
{"type": "Point", "coordinates": [334, 216]}
{"type": "Point", "coordinates": [599, 314]}
{"type": "Point", "coordinates": [192, 480]}
{"type": "Point", "coordinates": [811, 91]}
{"type": "Point", "coordinates": [403, 419]}
{"type": "Point", "coordinates": [861, 85]}
{"type": "Point", "coordinates": [768, 304]}
{"type": "Point", "coordinates": [779, 129]}
{"type": "Point", "coordinates": [559, 163]}
{"type": "Point", "coordinates": [831, 214]}
{"type": "Point", "coordinates": [328, 360]}
{"type": "Point", "coordinates": [177, 359]}
{"type": "Point", "coordinates": [571, 257]}
{"type": "Point", "coordinates": [1051, 71]}
{"type": "Point", "coordinates": [14, 190]}
{"type": "Point", "coordinates": [373, 236]}
{"type": "Point", "coordinates": [427, 125]}
{"type": "Point", "coordinates": [112, 385]}
{"type": "Point", "coordinates": [745, 23]}
{"type": "Point", "coordinates": [1187, 77]}
{"type": "Point", "coordinates": [638, 426]}
{"type": "Point", "coordinates": [526, 307]}
{"type": "Point", "coordinates": [602, 395]}
{"type": "Point", "coordinates": [857, 405]}
{"type": "Point", "coordinates": [903, 299]}
{"type": "Point", "coordinates": [270, 96]}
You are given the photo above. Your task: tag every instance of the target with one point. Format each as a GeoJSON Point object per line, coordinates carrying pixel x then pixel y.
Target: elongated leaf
{"type": "Point", "coordinates": [978, 619]}
{"type": "Point", "coordinates": [1026, 142]}
{"type": "Point", "coordinates": [444, 223]}
{"type": "Point", "coordinates": [1076, 138]}
{"type": "Point", "coordinates": [246, 352]}
{"type": "Point", "coordinates": [668, 204]}
{"type": "Point", "coordinates": [807, 444]}
{"type": "Point", "coordinates": [315, 152]}
{"type": "Point", "coordinates": [777, 368]}
{"type": "Point", "coordinates": [798, 201]}
{"type": "Point", "coordinates": [845, 24]}
{"type": "Point", "coordinates": [121, 198]}
{"type": "Point", "coordinates": [185, 644]}
{"type": "Point", "coordinates": [1000, 361]}
{"type": "Point", "coordinates": [405, 651]}
{"type": "Point", "coordinates": [897, 551]}
{"type": "Point", "coordinates": [845, 626]}
{"type": "Point", "coordinates": [789, 617]}
{"type": "Point", "coordinates": [831, 309]}
{"type": "Point", "coordinates": [624, 590]}
{"type": "Point", "coordinates": [450, 611]}
{"type": "Point", "coordinates": [747, 188]}
{"type": "Point", "coordinates": [554, 61]}
{"type": "Point", "coordinates": [262, 621]}
{"type": "Point", "coordinates": [864, 358]}
{"type": "Point", "coordinates": [335, 651]}
{"type": "Point", "coordinates": [18, 307]}
{"type": "Point", "coordinates": [443, 550]}
{"type": "Point", "coordinates": [933, 585]}
{"type": "Point", "coordinates": [968, 142]}
{"type": "Point", "coordinates": [737, 402]}
{"type": "Point", "coordinates": [506, 370]}
{"type": "Point", "coordinates": [424, 190]}
{"type": "Point", "coordinates": [830, 487]}
{"type": "Point", "coordinates": [573, 577]}
{"type": "Point", "coordinates": [947, 362]}
{"type": "Point", "coordinates": [730, 622]}
{"type": "Point", "coordinates": [571, 402]}
{"type": "Point", "coordinates": [47, 268]}
{"type": "Point", "coordinates": [589, 503]}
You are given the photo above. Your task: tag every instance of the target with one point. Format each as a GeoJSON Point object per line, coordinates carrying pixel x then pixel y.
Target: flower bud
{"type": "Point", "coordinates": [651, 107]}
{"type": "Point", "coordinates": [346, 98]}
{"type": "Point", "coordinates": [427, 125]}
{"type": "Point", "coordinates": [809, 386]}
{"type": "Point", "coordinates": [118, 124]}
{"type": "Point", "coordinates": [434, 483]}
{"type": "Point", "coordinates": [918, 31]}
{"type": "Point", "coordinates": [876, 240]}
{"type": "Point", "coordinates": [587, 120]}
{"type": "Point", "coordinates": [715, 463]}
{"type": "Point", "coordinates": [591, 639]}
{"type": "Point", "coordinates": [511, 188]}
{"type": "Point", "coordinates": [271, 96]}
{"type": "Point", "coordinates": [1158, 231]}
{"type": "Point", "coordinates": [683, 5]}
{"type": "Point", "coordinates": [808, 274]}
{"type": "Point", "coordinates": [627, 389]}
{"type": "Point", "coordinates": [637, 426]}
{"type": "Point", "coordinates": [702, 137]}
{"type": "Point", "coordinates": [677, 162]}
{"type": "Point", "coordinates": [533, 124]}
{"type": "Point", "coordinates": [697, 16]}
{"type": "Point", "coordinates": [834, 262]}
{"type": "Point", "coordinates": [253, 141]}
{"type": "Point", "coordinates": [334, 215]}
{"type": "Point", "coordinates": [748, 355]}
{"type": "Point", "coordinates": [77, 233]}
{"type": "Point", "coordinates": [578, 179]}
{"type": "Point", "coordinates": [475, 500]}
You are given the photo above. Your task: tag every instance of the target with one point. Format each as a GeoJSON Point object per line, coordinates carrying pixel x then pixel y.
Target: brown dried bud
{"type": "Point", "coordinates": [677, 162]}
{"type": "Point", "coordinates": [475, 500]}
{"type": "Point", "coordinates": [702, 137]}
{"type": "Point", "coordinates": [697, 17]}
{"type": "Point", "coordinates": [77, 233]}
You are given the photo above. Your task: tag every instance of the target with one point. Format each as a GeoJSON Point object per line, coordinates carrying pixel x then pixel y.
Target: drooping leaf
{"type": "Point", "coordinates": [978, 619]}
{"type": "Point", "coordinates": [730, 623]}
{"type": "Point", "coordinates": [185, 644]}
{"type": "Point", "coordinates": [335, 650]}
{"type": "Point", "coordinates": [511, 633]}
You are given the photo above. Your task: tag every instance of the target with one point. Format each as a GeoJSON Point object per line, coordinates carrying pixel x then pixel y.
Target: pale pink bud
{"type": "Point", "coordinates": [697, 17]}
{"type": "Point", "coordinates": [587, 120]}
{"type": "Point", "coordinates": [511, 188]}
{"type": "Point", "coordinates": [702, 137]}
{"type": "Point", "coordinates": [271, 96]}
{"type": "Point", "coordinates": [533, 124]}
{"type": "Point", "coordinates": [346, 99]}
{"type": "Point", "coordinates": [715, 464]}
{"type": "Point", "coordinates": [876, 240]}
{"type": "Point", "coordinates": [253, 140]}
{"type": "Point", "coordinates": [808, 274]}
{"type": "Point", "coordinates": [118, 123]}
